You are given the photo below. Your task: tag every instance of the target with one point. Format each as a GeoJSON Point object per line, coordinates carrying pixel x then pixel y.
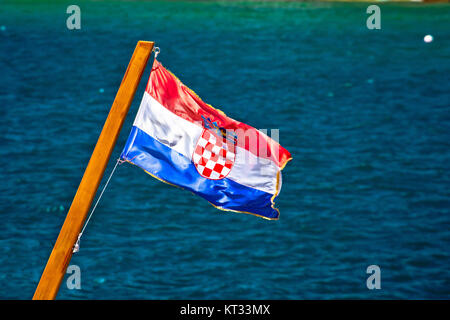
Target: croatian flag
{"type": "Point", "coordinates": [179, 139]}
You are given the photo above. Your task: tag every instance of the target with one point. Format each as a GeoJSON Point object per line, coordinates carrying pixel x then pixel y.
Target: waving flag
{"type": "Point", "coordinates": [179, 139]}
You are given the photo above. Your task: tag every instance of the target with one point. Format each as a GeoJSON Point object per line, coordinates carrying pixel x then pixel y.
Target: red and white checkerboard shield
{"type": "Point", "coordinates": [213, 155]}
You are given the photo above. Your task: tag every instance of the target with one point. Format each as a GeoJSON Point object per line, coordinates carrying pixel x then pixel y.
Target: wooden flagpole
{"type": "Point", "coordinates": [62, 251]}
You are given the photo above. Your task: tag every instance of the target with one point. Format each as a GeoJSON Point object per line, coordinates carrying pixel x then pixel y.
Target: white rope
{"type": "Point", "coordinates": [76, 247]}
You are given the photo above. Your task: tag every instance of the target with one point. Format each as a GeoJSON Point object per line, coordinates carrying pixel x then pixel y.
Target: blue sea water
{"type": "Point", "coordinates": [365, 114]}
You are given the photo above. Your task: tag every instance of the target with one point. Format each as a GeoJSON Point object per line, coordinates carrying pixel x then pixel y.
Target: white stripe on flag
{"type": "Point", "coordinates": [166, 127]}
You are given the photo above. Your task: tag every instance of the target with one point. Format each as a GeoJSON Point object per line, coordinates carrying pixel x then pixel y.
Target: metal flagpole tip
{"type": "Point", "coordinates": [156, 50]}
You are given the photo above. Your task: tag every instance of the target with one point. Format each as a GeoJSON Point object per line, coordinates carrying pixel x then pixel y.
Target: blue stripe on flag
{"type": "Point", "coordinates": [164, 163]}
